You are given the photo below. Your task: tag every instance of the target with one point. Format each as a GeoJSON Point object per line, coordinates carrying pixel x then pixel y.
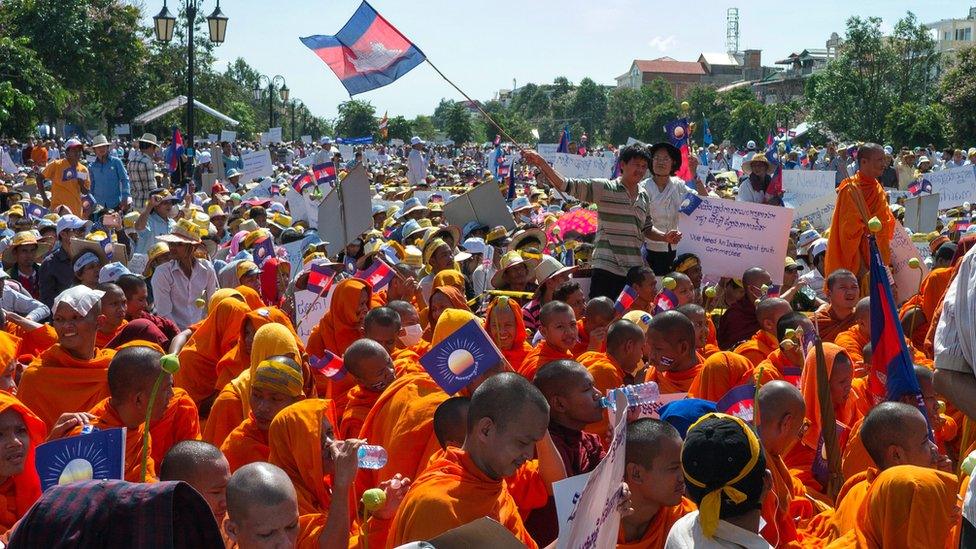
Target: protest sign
{"type": "Point", "coordinates": [261, 190]}
{"type": "Point", "coordinates": [307, 139]}
{"type": "Point", "coordinates": [906, 279]}
{"type": "Point", "coordinates": [7, 164]}
{"type": "Point", "coordinates": [955, 186]}
{"type": "Point", "coordinates": [483, 204]}
{"type": "Point", "coordinates": [595, 519]}
{"type": "Point", "coordinates": [802, 186]}
{"type": "Point", "coordinates": [565, 493]}
{"type": "Point", "coordinates": [632, 141]}
{"type": "Point", "coordinates": [545, 149]}
{"type": "Point", "coordinates": [212, 137]}
{"type": "Point", "coordinates": [217, 162]}
{"type": "Point", "coordinates": [206, 181]}
{"type": "Point", "coordinates": [137, 265]}
{"type": "Point", "coordinates": [256, 164]}
{"type": "Point", "coordinates": [301, 207]}
{"type": "Point", "coordinates": [293, 250]}
{"type": "Point", "coordinates": [347, 152]}
{"type": "Point", "coordinates": [573, 165]}
{"type": "Point", "coordinates": [424, 196]}
{"type": "Point", "coordinates": [273, 135]}
{"type": "Point", "coordinates": [921, 212]}
{"type": "Point", "coordinates": [344, 214]}
{"type": "Point", "coordinates": [819, 212]}
{"type": "Point", "coordinates": [122, 129]}
{"type": "Point", "coordinates": [396, 142]}
{"type": "Point", "coordinates": [730, 237]}
{"type": "Point", "coordinates": [307, 161]}
{"type": "Point", "coordinates": [372, 156]}
{"type": "Point", "coordinates": [737, 162]}
{"type": "Point", "coordinates": [228, 136]}
{"type": "Point", "coordinates": [309, 311]}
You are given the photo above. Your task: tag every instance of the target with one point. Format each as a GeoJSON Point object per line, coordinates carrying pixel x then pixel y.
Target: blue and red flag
{"type": "Point", "coordinates": [738, 402]}
{"type": "Point", "coordinates": [301, 182]}
{"type": "Point", "coordinates": [563, 141]}
{"type": "Point", "coordinates": [263, 251]}
{"type": "Point", "coordinates": [626, 298]}
{"type": "Point", "coordinates": [776, 183]}
{"type": "Point", "coordinates": [511, 182]}
{"type": "Point", "coordinates": [329, 364]}
{"type": "Point", "coordinates": [792, 375]}
{"type": "Point", "coordinates": [919, 186]}
{"type": "Point", "coordinates": [175, 151]}
{"type": "Point", "coordinates": [665, 301]}
{"type": "Point", "coordinates": [367, 53]}
{"type": "Point", "coordinates": [320, 278]}
{"type": "Point", "coordinates": [378, 275]}
{"type": "Point", "coordinates": [324, 173]}
{"type": "Point", "coordinates": [677, 131]}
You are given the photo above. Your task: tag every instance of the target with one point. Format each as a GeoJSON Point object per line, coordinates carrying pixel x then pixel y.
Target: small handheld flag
{"type": "Point", "coordinates": [175, 151]}
{"type": "Point", "coordinates": [99, 455]}
{"type": "Point", "coordinates": [36, 211]}
{"type": "Point", "coordinates": [690, 203]}
{"type": "Point", "coordinates": [324, 173]}
{"type": "Point", "coordinates": [263, 251]}
{"type": "Point", "coordinates": [677, 132]}
{"type": "Point", "coordinates": [739, 401]}
{"type": "Point", "coordinates": [460, 357]}
{"type": "Point", "coordinates": [329, 364]}
{"type": "Point", "coordinates": [107, 247]}
{"type": "Point", "coordinates": [301, 182]}
{"type": "Point", "coordinates": [378, 275]}
{"type": "Point", "coordinates": [511, 183]}
{"type": "Point", "coordinates": [706, 133]}
{"type": "Point", "coordinates": [563, 141]}
{"type": "Point", "coordinates": [320, 278]}
{"type": "Point", "coordinates": [626, 298]}
{"type": "Point", "coordinates": [665, 301]}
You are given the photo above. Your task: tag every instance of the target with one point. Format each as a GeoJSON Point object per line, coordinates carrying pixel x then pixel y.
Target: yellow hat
{"type": "Point", "coordinates": [640, 318]}
{"type": "Point", "coordinates": [278, 374]}
{"type": "Point", "coordinates": [157, 250]}
{"type": "Point", "coordinates": [253, 236]}
{"type": "Point", "coordinates": [129, 221]}
{"type": "Point", "coordinates": [413, 257]}
{"type": "Point", "coordinates": [215, 211]}
{"type": "Point", "coordinates": [245, 268]}
{"type": "Point", "coordinates": [16, 209]}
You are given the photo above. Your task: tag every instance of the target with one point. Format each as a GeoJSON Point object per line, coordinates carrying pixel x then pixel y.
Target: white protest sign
{"type": "Point", "coordinates": [819, 212]}
{"type": "Point", "coordinates": [256, 164]}
{"type": "Point", "coordinates": [954, 186]}
{"type": "Point", "coordinates": [730, 237]}
{"type": "Point", "coordinates": [137, 265]}
{"type": "Point", "coordinates": [8, 163]}
{"type": "Point", "coordinates": [122, 129]}
{"type": "Point", "coordinates": [307, 161]}
{"type": "Point", "coordinates": [310, 311]}
{"type": "Point", "coordinates": [227, 135]}
{"type": "Point", "coordinates": [293, 250]}
{"type": "Point", "coordinates": [307, 139]}
{"type": "Point", "coordinates": [300, 208]}
{"type": "Point", "coordinates": [565, 493]}
{"type": "Point", "coordinates": [802, 186]}
{"type": "Point", "coordinates": [273, 135]}
{"type": "Point", "coordinates": [212, 137]}
{"type": "Point", "coordinates": [574, 165]}
{"type": "Point", "coordinates": [545, 149]}
{"type": "Point", "coordinates": [372, 156]}
{"type": "Point", "coordinates": [396, 142]}
{"type": "Point", "coordinates": [596, 519]}
{"type": "Point", "coordinates": [346, 151]}
{"type": "Point", "coordinates": [261, 190]}
{"type": "Point", "coordinates": [345, 213]}
{"type": "Point", "coordinates": [737, 162]}
{"type": "Point", "coordinates": [895, 195]}
{"type": "Point", "coordinates": [906, 278]}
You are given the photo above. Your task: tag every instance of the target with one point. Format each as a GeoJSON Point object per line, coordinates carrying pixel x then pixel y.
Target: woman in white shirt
{"type": "Point", "coordinates": [665, 193]}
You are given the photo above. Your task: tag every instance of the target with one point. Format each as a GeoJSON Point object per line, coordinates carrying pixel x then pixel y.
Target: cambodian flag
{"type": "Point", "coordinates": [367, 53]}
{"type": "Point", "coordinates": [320, 278]}
{"type": "Point", "coordinates": [625, 299]}
{"type": "Point", "coordinates": [378, 276]}
{"type": "Point", "coordinates": [665, 301]}
{"type": "Point", "coordinates": [301, 182]}
{"type": "Point", "coordinates": [563, 141]}
{"type": "Point", "coordinates": [329, 364]}
{"type": "Point", "coordinates": [324, 173]}
{"type": "Point", "coordinates": [919, 186]}
{"type": "Point", "coordinates": [738, 402]}
{"type": "Point", "coordinates": [175, 151]}
{"type": "Point", "coordinates": [678, 136]}
{"type": "Point", "coordinates": [776, 184]}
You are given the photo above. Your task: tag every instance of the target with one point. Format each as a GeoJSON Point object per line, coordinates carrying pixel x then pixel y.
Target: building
{"type": "Point", "coordinates": [951, 35]}
{"type": "Point", "coordinates": [681, 75]}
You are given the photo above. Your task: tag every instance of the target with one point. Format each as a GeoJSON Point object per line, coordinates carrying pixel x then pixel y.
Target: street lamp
{"type": "Point", "coordinates": [164, 23]}
{"type": "Point", "coordinates": [294, 104]}
{"type": "Point", "coordinates": [282, 90]}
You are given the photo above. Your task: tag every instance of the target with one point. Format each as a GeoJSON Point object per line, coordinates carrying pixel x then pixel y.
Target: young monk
{"type": "Point", "coordinates": [505, 325]}
{"type": "Point", "coordinates": [917, 313]}
{"type": "Point", "coordinates": [614, 368]}
{"type": "Point", "coordinates": [643, 281]}
{"type": "Point", "coordinates": [21, 431]}
{"type": "Point", "coordinates": [71, 375]}
{"type": "Point", "coordinates": [131, 376]}
{"type": "Point", "coordinates": [382, 325]}
{"type": "Point", "coordinates": [698, 317]}
{"type": "Point", "coordinates": [739, 321]}
{"type": "Point", "coordinates": [112, 319]}
{"type": "Point", "coordinates": [857, 336]}
{"type": "Point", "coordinates": [653, 473]}
{"type": "Point", "coordinates": [786, 362]}
{"type": "Point", "coordinates": [843, 292]}
{"type": "Point", "coordinates": [671, 341]}
{"type": "Point", "coordinates": [592, 328]}
{"type": "Point", "coordinates": [451, 421]}
{"type": "Point", "coordinates": [275, 384]}
{"type": "Point", "coordinates": [574, 404]}
{"type": "Point", "coordinates": [214, 337]}
{"type": "Point", "coordinates": [506, 418]}
{"type": "Point", "coordinates": [764, 341]}
{"type": "Point", "coordinates": [371, 366]}
{"type": "Point", "coordinates": [684, 289]}
{"type": "Point", "coordinates": [557, 323]}
{"type": "Point", "coordinates": [202, 466]}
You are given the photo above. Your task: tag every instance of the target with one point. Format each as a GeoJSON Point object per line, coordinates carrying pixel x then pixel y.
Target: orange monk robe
{"type": "Point", "coordinates": [830, 325]}
{"type": "Point", "coordinates": [19, 492]}
{"type": "Point", "coordinates": [708, 350]}
{"type": "Point", "coordinates": [847, 243]}
{"type": "Point", "coordinates": [238, 358]}
{"type": "Point", "coordinates": [607, 374]}
{"type": "Point", "coordinates": [834, 523]}
{"type": "Point", "coordinates": [775, 367]}
{"type": "Point", "coordinates": [104, 338]}
{"type": "Point", "coordinates": [36, 341]}
{"type": "Point", "coordinates": [712, 338]}
{"type": "Point", "coordinates": [787, 508]}
{"type": "Point", "coordinates": [56, 382]}
{"type": "Point", "coordinates": [225, 415]}
{"type": "Point", "coordinates": [758, 347]}
{"type": "Point", "coordinates": [674, 382]}
{"type": "Point", "coordinates": [455, 491]}
{"type": "Point", "coordinates": [854, 339]}
{"type": "Point", "coordinates": [361, 401]}
{"type": "Point", "coordinates": [657, 530]}
{"type": "Point", "coordinates": [337, 330]}
{"type": "Point", "coordinates": [527, 487]}
{"type": "Point", "coordinates": [718, 373]}
{"type": "Point", "coordinates": [407, 361]}
{"type": "Point", "coordinates": [295, 439]}
{"type": "Point", "coordinates": [583, 340]}
{"type": "Point", "coordinates": [250, 295]}
{"type": "Point", "coordinates": [245, 444]}
{"type": "Point", "coordinates": [540, 356]}
{"type": "Point", "coordinates": [928, 299]}
{"type": "Point", "coordinates": [108, 418]}
{"type": "Point", "coordinates": [312, 526]}
{"type": "Point", "coordinates": [217, 334]}
{"type": "Point", "coordinates": [520, 348]}
{"type": "Point", "coordinates": [180, 421]}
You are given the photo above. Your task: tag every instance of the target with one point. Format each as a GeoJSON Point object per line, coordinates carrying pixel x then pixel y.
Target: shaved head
{"type": "Point", "coordinates": [779, 397]}
{"type": "Point", "coordinates": [133, 370]}
{"type": "Point", "coordinates": [621, 332]}
{"type": "Point", "coordinates": [256, 486]}
{"type": "Point", "coordinates": [863, 308]}
{"type": "Point", "coordinates": [451, 420]}
{"type": "Point", "coordinates": [558, 377]}
{"type": "Point", "coordinates": [382, 316]}
{"type": "Point", "coordinates": [839, 274]}
{"type": "Point", "coordinates": [674, 326]}
{"type": "Point", "coordinates": [504, 398]}
{"type": "Point", "coordinates": [188, 458]}
{"type": "Point", "coordinates": [772, 309]}
{"type": "Point", "coordinates": [756, 276]}
{"type": "Point", "coordinates": [869, 150]}
{"type": "Point", "coordinates": [889, 424]}
{"type": "Point", "coordinates": [644, 438]}
{"type": "Point", "coordinates": [359, 352]}
{"type": "Point", "coordinates": [553, 308]}
{"type": "Point", "coordinates": [600, 307]}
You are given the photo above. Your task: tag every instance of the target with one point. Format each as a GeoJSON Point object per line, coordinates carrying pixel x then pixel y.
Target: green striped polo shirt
{"type": "Point", "coordinates": [621, 222]}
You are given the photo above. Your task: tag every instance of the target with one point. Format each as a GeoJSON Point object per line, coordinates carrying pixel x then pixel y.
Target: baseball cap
{"type": "Point", "coordinates": [71, 222]}
{"type": "Point", "coordinates": [471, 247]}
{"type": "Point", "coordinates": [112, 272]}
{"type": "Point", "coordinates": [818, 247]}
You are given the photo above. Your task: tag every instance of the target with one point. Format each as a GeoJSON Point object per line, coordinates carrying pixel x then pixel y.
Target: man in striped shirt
{"type": "Point", "coordinates": [622, 217]}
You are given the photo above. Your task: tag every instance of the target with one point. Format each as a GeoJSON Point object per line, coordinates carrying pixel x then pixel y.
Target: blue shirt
{"type": "Point", "coordinates": [109, 181]}
{"type": "Point", "coordinates": [155, 226]}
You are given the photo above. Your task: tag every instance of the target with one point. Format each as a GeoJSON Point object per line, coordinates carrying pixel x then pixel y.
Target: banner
{"type": "Point", "coordinates": [122, 129]}
{"type": "Point", "coordinates": [367, 140]}
{"type": "Point", "coordinates": [212, 137]}
{"type": "Point", "coordinates": [307, 139]}
{"type": "Point", "coordinates": [954, 186]}
{"type": "Point", "coordinates": [228, 136]}
{"type": "Point", "coordinates": [818, 212]}
{"type": "Point", "coordinates": [585, 167]}
{"type": "Point", "coordinates": [730, 237]}
{"type": "Point", "coordinates": [345, 213]}
{"type": "Point", "coordinates": [802, 186]}
{"type": "Point", "coordinates": [273, 135]}
{"type": "Point", "coordinates": [906, 279]}
{"type": "Point", "coordinates": [257, 164]}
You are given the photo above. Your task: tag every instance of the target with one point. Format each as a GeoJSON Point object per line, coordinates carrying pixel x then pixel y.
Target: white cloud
{"type": "Point", "coordinates": [663, 43]}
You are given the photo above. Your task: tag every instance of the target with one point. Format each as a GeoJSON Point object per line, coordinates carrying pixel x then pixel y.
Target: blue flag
{"type": "Point", "coordinates": [99, 455]}
{"type": "Point", "coordinates": [706, 133]}
{"type": "Point", "coordinates": [462, 356]}
{"type": "Point", "coordinates": [563, 141]}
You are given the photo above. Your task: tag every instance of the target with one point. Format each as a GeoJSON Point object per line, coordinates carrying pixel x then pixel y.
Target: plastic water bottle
{"type": "Point", "coordinates": [372, 457]}
{"type": "Point", "coordinates": [642, 393]}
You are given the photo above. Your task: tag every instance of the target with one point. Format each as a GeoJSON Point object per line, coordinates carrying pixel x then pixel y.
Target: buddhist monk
{"type": "Point", "coordinates": [700, 319]}
{"type": "Point", "coordinates": [451, 421]}
{"type": "Point", "coordinates": [238, 358]}
{"type": "Point", "coordinates": [764, 341]}
{"type": "Point", "coordinates": [132, 375]}
{"type": "Point", "coordinates": [202, 466]}
{"type": "Point", "coordinates": [643, 281]}
{"type": "Point", "coordinates": [214, 337]}
{"type": "Point", "coordinates": [859, 199]}
{"type": "Point", "coordinates": [718, 374]}
{"type": "Point", "coordinates": [382, 325]}
{"type": "Point", "coordinates": [371, 366]}
{"type": "Point", "coordinates": [506, 418]}
{"type": "Point", "coordinates": [505, 325]}
{"type": "Point", "coordinates": [917, 313]}
{"type": "Point", "coordinates": [739, 321]}
{"type": "Point", "coordinates": [857, 336]}
{"type": "Point", "coordinates": [653, 472]}
{"type": "Point", "coordinates": [20, 432]}
{"type": "Point", "coordinates": [837, 315]}
{"type": "Point", "coordinates": [674, 363]}
{"type": "Point", "coordinates": [112, 319]}
{"type": "Point", "coordinates": [275, 385]}
{"type": "Point", "coordinates": [786, 362]}
{"type": "Point", "coordinates": [137, 306]}
{"type": "Point", "coordinates": [684, 288]}
{"type": "Point", "coordinates": [180, 421]}
{"type": "Point", "coordinates": [616, 367]}
{"type": "Point", "coordinates": [402, 287]}
{"type": "Point", "coordinates": [557, 324]}
{"type": "Point", "coordinates": [574, 404]}
{"type": "Point", "coordinates": [592, 328]}
{"type": "Point", "coordinates": [70, 376]}
{"type": "Point", "coordinates": [411, 332]}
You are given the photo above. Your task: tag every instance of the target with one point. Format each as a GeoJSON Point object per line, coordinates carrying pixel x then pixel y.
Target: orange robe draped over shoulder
{"type": "Point", "coordinates": [19, 492]}
{"type": "Point", "coordinates": [540, 356]}
{"type": "Point", "coordinates": [830, 325]}
{"type": "Point", "coordinates": [245, 444]}
{"type": "Point", "coordinates": [180, 422]}
{"type": "Point", "coordinates": [295, 437]}
{"type": "Point", "coordinates": [103, 338]}
{"type": "Point", "coordinates": [674, 382]}
{"type": "Point", "coordinates": [657, 530]}
{"type": "Point", "coordinates": [217, 334]}
{"type": "Point", "coordinates": [758, 347]}
{"type": "Point", "coordinates": [719, 373]}
{"type": "Point", "coordinates": [834, 523]}
{"type": "Point", "coordinates": [361, 401]}
{"type": "Point", "coordinates": [775, 367]}
{"type": "Point", "coordinates": [607, 374]}
{"type": "Point", "coordinates": [108, 418]}
{"type": "Point", "coordinates": [847, 243]}
{"type": "Point", "coordinates": [56, 382]}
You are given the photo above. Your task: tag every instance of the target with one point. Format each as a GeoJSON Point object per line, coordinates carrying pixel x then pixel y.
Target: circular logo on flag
{"type": "Point", "coordinates": [459, 361]}
{"type": "Point", "coordinates": [679, 132]}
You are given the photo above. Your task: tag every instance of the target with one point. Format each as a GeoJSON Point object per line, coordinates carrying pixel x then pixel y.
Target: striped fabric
{"type": "Point", "coordinates": [621, 222]}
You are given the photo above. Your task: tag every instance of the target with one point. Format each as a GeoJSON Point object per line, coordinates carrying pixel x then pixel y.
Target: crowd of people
{"type": "Point", "coordinates": [140, 291]}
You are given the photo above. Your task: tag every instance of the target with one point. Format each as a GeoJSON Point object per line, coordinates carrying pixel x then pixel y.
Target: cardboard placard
{"type": "Point", "coordinates": [906, 279]}
{"type": "Point", "coordinates": [483, 532]}
{"type": "Point", "coordinates": [257, 164]}
{"type": "Point", "coordinates": [586, 167]}
{"type": "Point", "coordinates": [819, 212]}
{"type": "Point", "coordinates": [921, 212]}
{"type": "Point", "coordinates": [81, 245]}
{"type": "Point", "coordinates": [955, 186]}
{"type": "Point", "coordinates": [228, 136]}
{"type": "Point", "coordinates": [483, 204]}
{"type": "Point", "coordinates": [803, 186]}
{"type": "Point", "coordinates": [345, 213]}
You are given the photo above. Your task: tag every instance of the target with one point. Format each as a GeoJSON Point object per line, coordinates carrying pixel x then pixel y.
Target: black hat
{"type": "Point", "coordinates": [672, 151]}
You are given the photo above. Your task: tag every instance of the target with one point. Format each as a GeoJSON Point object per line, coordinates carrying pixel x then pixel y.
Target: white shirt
{"type": "Point", "coordinates": [955, 336]}
{"type": "Point", "coordinates": [481, 278]}
{"type": "Point", "coordinates": [687, 532]}
{"type": "Point", "coordinates": [15, 298]}
{"type": "Point", "coordinates": [175, 296]}
{"type": "Point", "coordinates": [748, 194]}
{"type": "Point", "coordinates": [416, 167]}
{"type": "Point", "coordinates": [663, 207]}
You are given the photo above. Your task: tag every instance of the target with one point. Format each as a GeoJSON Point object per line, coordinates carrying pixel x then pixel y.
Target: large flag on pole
{"type": "Point", "coordinates": [367, 53]}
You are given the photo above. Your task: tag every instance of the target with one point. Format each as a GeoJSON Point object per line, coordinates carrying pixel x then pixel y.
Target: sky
{"type": "Point", "coordinates": [483, 46]}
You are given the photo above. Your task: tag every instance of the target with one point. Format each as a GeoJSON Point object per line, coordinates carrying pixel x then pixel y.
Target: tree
{"type": "Point", "coordinates": [910, 124]}
{"type": "Point", "coordinates": [655, 108]}
{"type": "Point", "coordinates": [399, 127]}
{"type": "Point", "coordinates": [590, 106]}
{"type": "Point", "coordinates": [423, 127]}
{"type": "Point", "coordinates": [621, 111]}
{"type": "Point", "coordinates": [457, 124]}
{"type": "Point", "coordinates": [26, 90]}
{"type": "Point", "coordinates": [441, 113]}
{"type": "Point", "coordinates": [356, 119]}
{"type": "Point", "coordinates": [748, 121]}
{"type": "Point", "coordinates": [958, 94]}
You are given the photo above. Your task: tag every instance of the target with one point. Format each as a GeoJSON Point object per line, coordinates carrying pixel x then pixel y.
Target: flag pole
{"type": "Point", "coordinates": [473, 102]}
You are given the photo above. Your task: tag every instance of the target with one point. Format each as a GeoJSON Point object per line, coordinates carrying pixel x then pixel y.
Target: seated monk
{"type": "Point", "coordinates": [382, 325]}
{"type": "Point", "coordinates": [557, 324]}
{"type": "Point", "coordinates": [703, 328]}
{"type": "Point", "coordinates": [614, 368]}
{"type": "Point", "coordinates": [402, 287]}
{"type": "Point", "coordinates": [112, 319]}
{"type": "Point", "coordinates": [763, 342]}
{"type": "Point", "coordinates": [410, 341]}
{"type": "Point", "coordinates": [674, 365]}
{"type": "Point", "coordinates": [238, 358]}
{"type": "Point", "coordinates": [202, 466]}
{"type": "Point", "coordinates": [132, 376]}
{"type": "Point", "coordinates": [506, 418]}
{"type": "Point", "coordinates": [369, 364]}
{"type": "Point", "coordinates": [233, 404]}
{"type": "Point", "coordinates": [653, 473]}
{"type": "Point", "coordinates": [275, 384]}
{"type": "Point", "coordinates": [684, 288]}
{"type": "Point", "coordinates": [893, 433]}
{"type": "Point", "coordinates": [592, 328]}
{"type": "Point", "coordinates": [137, 306]}
{"type": "Point", "coordinates": [906, 506]}
{"type": "Point", "coordinates": [786, 362]}
{"type": "Point", "coordinates": [917, 313]}
{"type": "Point", "coordinates": [641, 278]}
{"type": "Point", "coordinates": [739, 321]}
{"type": "Point", "coordinates": [505, 325]}
{"type": "Point", "coordinates": [20, 486]}
{"type": "Point", "coordinates": [180, 421]}
{"type": "Point", "coordinates": [71, 375]}
{"type": "Point", "coordinates": [837, 315]}
{"type": "Point", "coordinates": [857, 336]}
{"type": "Point", "coordinates": [718, 374]}
{"type": "Point", "coordinates": [781, 415]}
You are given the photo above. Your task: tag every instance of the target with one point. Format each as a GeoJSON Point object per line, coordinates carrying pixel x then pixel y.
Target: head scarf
{"type": "Point", "coordinates": [339, 326]}
{"type": "Point", "coordinates": [457, 302]}
{"type": "Point", "coordinates": [139, 329]}
{"type": "Point", "coordinates": [269, 281]}
{"type": "Point", "coordinates": [222, 294]}
{"type": "Point", "coordinates": [516, 355]}
{"type": "Point", "coordinates": [9, 344]}
{"type": "Point", "coordinates": [218, 332]}
{"type": "Point", "coordinates": [270, 340]}
{"type": "Point", "coordinates": [26, 483]}
{"type": "Point", "coordinates": [295, 438]}
{"type": "Point", "coordinates": [682, 414]}
{"type": "Point", "coordinates": [449, 277]}
{"type": "Point", "coordinates": [235, 242]}
{"type": "Point", "coordinates": [808, 386]}
{"type": "Point", "coordinates": [251, 296]}
{"type": "Point", "coordinates": [719, 373]}
{"type": "Point", "coordinates": [279, 376]}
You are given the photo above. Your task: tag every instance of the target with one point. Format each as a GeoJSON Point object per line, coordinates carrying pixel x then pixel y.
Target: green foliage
{"type": "Point", "coordinates": [356, 119]}
{"type": "Point", "coordinates": [423, 127]}
{"type": "Point", "coordinates": [399, 127]}
{"type": "Point", "coordinates": [958, 94]}
{"type": "Point", "coordinates": [589, 103]}
{"type": "Point", "coordinates": [910, 124]}
{"type": "Point", "coordinates": [748, 120]}
{"type": "Point", "coordinates": [457, 123]}
{"type": "Point", "coordinates": [26, 88]}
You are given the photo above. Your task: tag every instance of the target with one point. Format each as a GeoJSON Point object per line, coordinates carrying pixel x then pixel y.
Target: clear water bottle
{"type": "Point", "coordinates": [372, 457]}
{"type": "Point", "coordinates": [642, 393]}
